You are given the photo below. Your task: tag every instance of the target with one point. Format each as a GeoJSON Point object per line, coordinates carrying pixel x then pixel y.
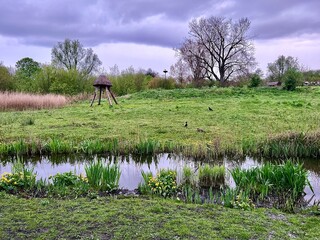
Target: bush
{"type": "Point", "coordinates": [292, 79]}
{"type": "Point", "coordinates": [162, 83]}
{"type": "Point", "coordinates": [164, 185]}
{"type": "Point", "coordinates": [6, 80]}
{"type": "Point", "coordinates": [129, 82]}
{"type": "Point", "coordinates": [255, 81]}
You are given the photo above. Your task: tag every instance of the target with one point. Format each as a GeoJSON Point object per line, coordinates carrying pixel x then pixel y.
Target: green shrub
{"type": "Point", "coordinates": [164, 184]}
{"type": "Point", "coordinates": [255, 81]}
{"type": "Point", "coordinates": [21, 179]}
{"type": "Point", "coordinates": [66, 179]}
{"type": "Point", "coordinates": [292, 79]}
{"type": "Point", "coordinates": [162, 83]}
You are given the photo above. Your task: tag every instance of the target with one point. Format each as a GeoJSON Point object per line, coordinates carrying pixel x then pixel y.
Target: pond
{"type": "Point", "coordinates": [131, 167]}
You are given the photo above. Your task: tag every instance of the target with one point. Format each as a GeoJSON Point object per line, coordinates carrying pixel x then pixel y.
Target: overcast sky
{"type": "Point", "coordinates": [143, 33]}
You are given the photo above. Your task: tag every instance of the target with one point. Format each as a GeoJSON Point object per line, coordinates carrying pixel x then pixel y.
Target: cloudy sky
{"type": "Point", "coordinates": [143, 33]}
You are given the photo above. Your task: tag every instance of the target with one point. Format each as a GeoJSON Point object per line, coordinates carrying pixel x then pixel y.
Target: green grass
{"type": "Point", "coordinates": [141, 218]}
{"type": "Point", "coordinates": [241, 122]}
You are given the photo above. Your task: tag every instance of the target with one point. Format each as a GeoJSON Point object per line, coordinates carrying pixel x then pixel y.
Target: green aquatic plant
{"type": "Point", "coordinates": [211, 176]}
{"type": "Point", "coordinates": [103, 177]}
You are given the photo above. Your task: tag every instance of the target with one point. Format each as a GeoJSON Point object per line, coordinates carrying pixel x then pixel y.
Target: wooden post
{"type": "Point", "coordinates": [109, 99]}
{"type": "Point", "coordinates": [99, 95]}
{"type": "Point", "coordinates": [112, 95]}
{"type": "Point", "coordinates": [94, 97]}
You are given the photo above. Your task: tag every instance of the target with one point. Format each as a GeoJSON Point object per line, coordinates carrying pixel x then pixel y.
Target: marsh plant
{"type": "Point", "coordinates": [144, 187]}
{"type": "Point", "coordinates": [22, 101]}
{"type": "Point", "coordinates": [211, 176]}
{"type": "Point", "coordinates": [103, 177]}
{"type": "Point", "coordinates": [188, 177]}
{"type": "Point", "coordinates": [164, 184]}
{"type": "Point", "coordinates": [285, 181]}
{"type": "Point", "coordinates": [21, 179]}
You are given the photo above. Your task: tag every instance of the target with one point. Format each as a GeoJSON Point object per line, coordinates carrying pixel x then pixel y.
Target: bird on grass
{"type": "Point", "coordinates": [210, 109]}
{"type": "Point", "coordinates": [186, 124]}
{"type": "Point", "coordinates": [200, 130]}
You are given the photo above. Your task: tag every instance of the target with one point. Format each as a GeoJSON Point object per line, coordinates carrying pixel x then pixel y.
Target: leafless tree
{"type": "Point", "coordinates": [70, 54]}
{"type": "Point", "coordinates": [278, 68]}
{"type": "Point", "coordinates": [180, 71]}
{"type": "Point", "coordinates": [219, 47]}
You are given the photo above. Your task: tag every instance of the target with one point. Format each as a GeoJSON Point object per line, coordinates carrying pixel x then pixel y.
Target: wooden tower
{"type": "Point", "coordinates": [102, 83]}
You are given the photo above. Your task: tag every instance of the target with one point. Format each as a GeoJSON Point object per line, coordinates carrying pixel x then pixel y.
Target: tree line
{"type": "Point", "coordinates": [217, 51]}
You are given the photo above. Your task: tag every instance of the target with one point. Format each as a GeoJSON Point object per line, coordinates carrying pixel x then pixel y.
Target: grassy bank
{"type": "Point", "coordinates": [132, 218]}
{"type": "Point", "coordinates": [242, 121]}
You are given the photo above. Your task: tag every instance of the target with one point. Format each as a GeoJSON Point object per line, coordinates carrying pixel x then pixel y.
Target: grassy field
{"type": "Point", "coordinates": [240, 118]}
{"type": "Point", "coordinates": [143, 218]}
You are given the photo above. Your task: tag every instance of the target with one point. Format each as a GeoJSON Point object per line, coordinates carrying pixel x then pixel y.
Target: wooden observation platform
{"type": "Point", "coordinates": [101, 84]}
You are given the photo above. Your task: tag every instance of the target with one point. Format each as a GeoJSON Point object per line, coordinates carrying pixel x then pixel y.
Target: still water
{"type": "Point", "coordinates": [131, 167]}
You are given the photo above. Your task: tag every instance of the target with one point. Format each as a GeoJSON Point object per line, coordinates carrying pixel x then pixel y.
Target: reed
{"type": "Point", "coordinates": [57, 146]}
{"type": "Point", "coordinates": [291, 145]}
{"type": "Point", "coordinates": [147, 147]}
{"type": "Point", "coordinates": [103, 177]}
{"type": "Point", "coordinates": [23, 101]}
{"type": "Point", "coordinates": [284, 181]}
{"type": "Point", "coordinates": [188, 176]}
{"type": "Point", "coordinates": [143, 186]}
{"type": "Point", "coordinates": [211, 176]}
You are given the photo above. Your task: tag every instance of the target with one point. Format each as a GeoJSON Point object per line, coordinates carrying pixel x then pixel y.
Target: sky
{"type": "Point", "coordinates": [144, 33]}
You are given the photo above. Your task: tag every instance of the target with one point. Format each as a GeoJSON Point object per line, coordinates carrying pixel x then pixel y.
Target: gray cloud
{"type": "Point", "coordinates": [162, 23]}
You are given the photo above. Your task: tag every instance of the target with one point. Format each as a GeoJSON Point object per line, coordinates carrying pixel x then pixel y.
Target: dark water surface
{"type": "Point", "coordinates": [131, 167]}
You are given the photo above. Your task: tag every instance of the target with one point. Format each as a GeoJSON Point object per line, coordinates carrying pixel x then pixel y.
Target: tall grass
{"type": "Point", "coordinates": [144, 187]}
{"type": "Point", "coordinates": [285, 182]}
{"type": "Point", "coordinates": [23, 101]}
{"type": "Point", "coordinates": [291, 145]}
{"type": "Point", "coordinates": [103, 177]}
{"type": "Point", "coordinates": [211, 176]}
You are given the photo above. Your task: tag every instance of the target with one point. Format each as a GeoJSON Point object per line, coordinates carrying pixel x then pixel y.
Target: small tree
{"type": "Point", "coordinates": [292, 78]}
{"type": "Point", "coordinates": [27, 69]}
{"type": "Point", "coordinates": [255, 81]}
{"type": "Point", "coordinates": [71, 55]}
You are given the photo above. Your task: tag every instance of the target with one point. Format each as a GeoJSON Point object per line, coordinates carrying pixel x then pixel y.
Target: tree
{"type": "Point", "coordinates": [26, 71]}
{"type": "Point", "coordinates": [221, 47]}
{"type": "Point", "coordinates": [278, 68]}
{"type": "Point", "coordinates": [6, 81]}
{"type": "Point", "coordinates": [292, 78]}
{"type": "Point", "coordinates": [189, 53]}
{"type": "Point", "coordinates": [71, 55]}
{"type": "Point", "coordinates": [27, 67]}
{"type": "Point", "coordinates": [180, 71]}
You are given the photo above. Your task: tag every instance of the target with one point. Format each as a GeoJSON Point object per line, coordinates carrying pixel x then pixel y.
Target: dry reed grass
{"type": "Point", "coordinates": [24, 101]}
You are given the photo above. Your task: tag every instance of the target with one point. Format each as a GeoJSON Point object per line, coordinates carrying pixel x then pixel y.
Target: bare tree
{"type": "Point", "coordinates": [278, 68]}
{"type": "Point", "coordinates": [192, 54]}
{"type": "Point", "coordinates": [180, 71]}
{"type": "Point", "coordinates": [219, 47]}
{"type": "Point", "coordinates": [70, 54]}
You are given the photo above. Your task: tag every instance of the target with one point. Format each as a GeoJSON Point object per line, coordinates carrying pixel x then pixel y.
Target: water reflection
{"type": "Point", "coordinates": [131, 166]}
